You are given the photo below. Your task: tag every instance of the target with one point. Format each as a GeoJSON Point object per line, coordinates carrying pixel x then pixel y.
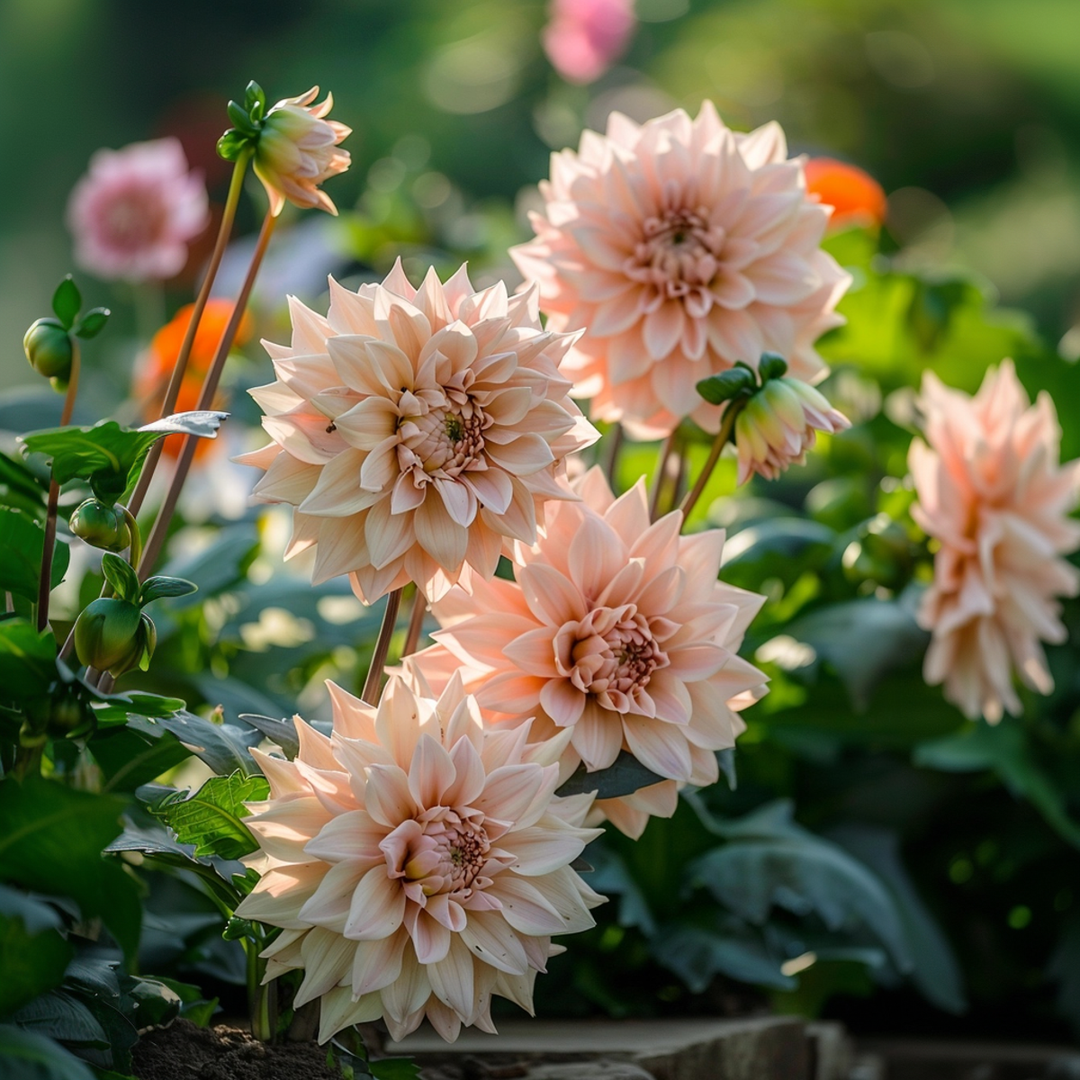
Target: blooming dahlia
{"type": "Point", "coordinates": [416, 863]}
{"type": "Point", "coordinates": [414, 430]}
{"type": "Point", "coordinates": [680, 247]}
{"type": "Point", "coordinates": [992, 492]}
{"type": "Point", "coordinates": [616, 630]}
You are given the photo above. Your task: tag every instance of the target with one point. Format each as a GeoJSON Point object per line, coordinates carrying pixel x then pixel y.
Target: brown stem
{"type": "Point", "coordinates": [611, 454]}
{"type": "Point", "coordinates": [661, 475]}
{"type": "Point", "coordinates": [156, 540]}
{"type": "Point", "coordinates": [172, 392]}
{"type": "Point", "coordinates": [373, 682]}
{"type": "Point", "coordinates": [727, 426]}
{"type": "Point", "coordinates": [416, 624]}
{"type": "Point", "coordinates": [45, 583]}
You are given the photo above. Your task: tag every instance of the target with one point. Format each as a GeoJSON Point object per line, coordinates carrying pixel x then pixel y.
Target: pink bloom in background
{"type": "Point", "coordinates": [136, 210]}
{"type": "Point", "coordinates": [616, 630]}
{"type": "Point", "coordinates": [416, 430]}
{"type": "Point", "coordinates": [992, 492]}
{"type": "Point", "coordinates": [680, 247]}
{"type": "Point", "coordinates": [779, 424]}
{"type": "Point", "coordinates": [585, 37]}
{"type": "Point", "coordinates": [417, 863]}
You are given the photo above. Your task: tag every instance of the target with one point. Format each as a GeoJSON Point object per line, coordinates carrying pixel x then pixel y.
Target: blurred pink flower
{"type": "Point", "coordinates": [414, 430]}
{"type": "Point", "coordinates": [779, 424]}
{"type": "Point", "coordinates": [416, 863]}
{"type": "Point", "coordinates": [680, 247]}
{"type": "Point", "coordinates": [134, 212]}
{"type": "Point", "coordinates": [297, 150]}
{"type": "Point", "coordinates": [584, 37]}
{"type": "Point", "coordinates": [991, 491]}
{"type": "Point", "coordinates": [617, 630]}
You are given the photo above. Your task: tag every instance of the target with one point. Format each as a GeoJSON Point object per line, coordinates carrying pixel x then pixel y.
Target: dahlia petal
{"type": "Point", "coordinates": [539, 851]}
{"type": "Point", "coordinates": [328, 905]}
{"type": "Point", "coordinates": [431, 773]}
{"type": "Point", "coordinates": [663, 328]}
{"type": "Point", "coordinates": [658, 746]}
{"type": "Point", "coordinates": [562, 701]}
{"type": "Point", "coordinates": [493, 941]}
{"type": "Point", "coordinates": [452, 979]}
{"type": "Point", "coordinates": [598, 737]}
{"type": "Point", "coordinates": [377, 908]}
{"type": "Point", "coordinates": [354, 835]}
{"type": "Point", "coordinates": [387, 795]}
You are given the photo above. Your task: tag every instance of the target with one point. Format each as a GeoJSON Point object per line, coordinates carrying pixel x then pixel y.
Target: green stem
{"type": "Point", "coordinates": [261, 999]}
{"type": "Point", "coordinates": [660, 475]}
{"type": "Point", "coordinates": [172, 392]}
{"type": "Point", "coordinates": [610, 462]}
{"type": "Point", "coordinates": [373, 682]}
{"type": "Point", "coordinates": [416, 624]}
{"type": "Point", "coordinates": [727, 426]}
{"type": "Point", "coordinates": [45, 581]}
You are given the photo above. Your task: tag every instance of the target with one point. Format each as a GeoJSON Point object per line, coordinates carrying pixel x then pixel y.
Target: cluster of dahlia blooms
{"type": "Point", "coordinates": [993, 494]}
{"type": "Point", "coordinates": [417, 862]}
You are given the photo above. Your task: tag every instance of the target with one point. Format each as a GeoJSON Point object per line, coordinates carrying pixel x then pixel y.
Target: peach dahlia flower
{"type": "Point", "coordinates": [616, 630]}
{"type": "Point", "coordinates": [680, 247]}
{"type": "Point", "coordinates": [298, 149]}
{"type": "Point", "coordinates": [992, 492]}
{"type": "Point", "coordinates": [416, 863]}
{"type": "Point", "coordinates": [414, 430]}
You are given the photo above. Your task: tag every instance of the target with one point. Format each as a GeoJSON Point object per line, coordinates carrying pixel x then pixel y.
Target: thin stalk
{"type": "Point", "coordinates": [611, 454]}
{"type": "Point", "coordinates": [727, 426]}
{"type": "Point", "coordinates": [373, 682]}
{"type": "Point", "coordinates": [45, 583]}
{"type": "Point", "coordinates": [172, 392]}
{"type": "Point", "coordinates": [156, 540]}
{"type": "Point", "coordinates": [261, 999]}
{"type": "Point", "coordinates": [416, 624]}
{"type": "Point", "coordinates": [661, 476]}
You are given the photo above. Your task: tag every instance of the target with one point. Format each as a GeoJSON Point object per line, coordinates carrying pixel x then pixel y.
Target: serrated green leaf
{"type": "Point", "coordinates": [51, 841]}
{"type": "Point", "coordinates": [224, 747]}
{"type": "Point", "coordinates": [120, 574]}
{"type": "Point", "coordinates": [92, 323]}
{"type": "Point", "coordinates": [211, 817]}
{"type": "Point", "coordinates": [158, 587]}
{"type": "Point", "coordinates": [624, 777]}
{"type": "Point", "coordinates": [66, 302]}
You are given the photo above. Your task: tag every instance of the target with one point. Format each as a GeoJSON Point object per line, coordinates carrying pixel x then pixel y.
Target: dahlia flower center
{"type": "Point", "coordinates": [678, 252]}
{"type": "Point", "coordinates": [446, 854]}
{"type": "Point", "coordinates": [446, 440]}
{"type": "Point", "coordinates": [610, 654]}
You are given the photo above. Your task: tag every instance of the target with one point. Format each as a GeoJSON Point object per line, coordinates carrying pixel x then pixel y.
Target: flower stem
{"type": "Point", "coordinates": [156, 540]}
{"type": "Point", "coordinates": [172, 392]}
{"type": "Point", "coordinates": [611, 454]}
{"type": "Point", "coordinates": [660, 477]}
{"type": "Point", "coordinates": [416, 624]}
{"type": "Point", "coordinates": [727, 426]}
{"type": "Point", "coordinates": [45, 582]}
{"type": "Point", "coordinates": [373, 682]}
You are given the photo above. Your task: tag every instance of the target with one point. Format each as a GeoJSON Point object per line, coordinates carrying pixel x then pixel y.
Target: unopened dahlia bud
{"type": "Point", "coordinates": [114, 636]}
{"type": "Point", "coordinates": [100, 525]}
{"type": "Point", "coordinates": [779, 424]}
{"type": "Point", "coordinates": [48, 348]}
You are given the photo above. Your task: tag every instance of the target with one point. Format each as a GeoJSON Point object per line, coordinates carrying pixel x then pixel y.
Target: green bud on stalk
{"type": "Point", "coordinates": [115, 636]}
{"type": "Point", "coordinates": [100, 525]}
{"type": "Point", "coordinates": [48, 347]}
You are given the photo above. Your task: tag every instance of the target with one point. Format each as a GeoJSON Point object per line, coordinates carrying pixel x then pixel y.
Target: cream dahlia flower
{"type": "Point", "coordinates": [416, 863]}
{"type": "Point", "coordinates": [414, 430]}
{"type": "Point", "coordinates": [779, 424]}
{"type": "Point", "coordinates": [297, 149]}
{"type": "Point", "coordinates": [617, 631]}
{"type": "Point", "coordinates": [680, 247]}
{"type": "Point", "coordinates": [992, 492]}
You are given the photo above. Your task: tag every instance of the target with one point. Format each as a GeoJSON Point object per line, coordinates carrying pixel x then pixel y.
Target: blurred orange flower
{"type": "Point", "coordinates": [157, 363]}
{"type": "Point", "coordinates": [855, 196]}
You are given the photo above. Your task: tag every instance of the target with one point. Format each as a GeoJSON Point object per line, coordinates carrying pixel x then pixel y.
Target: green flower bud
{"type": "Point", "coordinates": [69, 713]}
{"type": "Point", "coordinates": [48, 348]}
{"type": "Point", "coordinates": [100, 525]}
{"type": "Point", "coordinates": [113, 635]}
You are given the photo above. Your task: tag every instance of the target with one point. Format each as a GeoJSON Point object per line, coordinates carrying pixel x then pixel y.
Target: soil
{"type": "Point", "coordinates": [186, 1052]}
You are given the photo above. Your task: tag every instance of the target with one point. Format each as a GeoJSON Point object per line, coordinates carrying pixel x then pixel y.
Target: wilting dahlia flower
{"type": "Point", "coordinates": [134, 212]}
{"type": "Point", "coordinates": [415, 429]}
{"type": "Point", "coordinates": [297, 149]}
{"type": "Point", "coordinates": [779, 424]}
{"type": "Point", "coordinates": [416, 863]}
{"type": "Point", "coordinates": [616, 630]}
{"type": "Point", "coordinates": [680, 247]}
{"type": "Point", "coordinates": [991, 491]}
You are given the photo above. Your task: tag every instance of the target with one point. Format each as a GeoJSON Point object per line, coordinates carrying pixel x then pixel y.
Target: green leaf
{"type": "Point", "coordinates": [25, 1055]}
{"type": "Point", "coordinates": [21, 541]}
{"type": "Point", "coordinates": [232, 144]}
{"type": "Point", "coordinates": [211, 817]}
{"type": "Point", "coordinates": [120, 574]}
{"type": "Point", "coordinates": [135, 754]}
{"type": "Point", "coordinates": [103, 454]}
{"type": "Point", "coordinates": [1004, 749]}
{"type": "Point", "coordinates": [92, 323]}
{"type": "Point", "coordinates": [33, 954]}
{"type": "Point", "coordinates": [117, 708]}
{"type": "Point", "coordinates": [611, 877]}
{"type": "Point", "coordinates": [20, 488]}
{"type": "Point", "coordinates": [781, 547]}
{"type": "Point", "coordinates": [51, 840]}
{"type": "Point", "coordinates": [155, 588]}
{"type": "Point", "coordinates": [395, 1068]}
{"type": "Point", "coordinates": [222, 563]}
{"type": "Point", "coordinates": [193, 1006]}
{"type": "Point", "coordinates": [772, 366]}
{"type": "Point", "coordinates": [27, 660]}
{"type": "Point", "coordinates": [728, 384]}
{"type": "Point", "coordinates": [224, 747]}
{"type": "Point", "coordinates": [697, 955]}
{"type": "Point", "coordinates": [156, 1002]}
{"type": "Point", "coordinates": [66, 302]}
{"type": "Point", "coordinates": [624, 777]}
{"type": "Point", "coordinates": [203, 423]}
{"type": "Point", "coordinates": [282, 732]}
{"type": "Point", "coordinates": [64, 1017]}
